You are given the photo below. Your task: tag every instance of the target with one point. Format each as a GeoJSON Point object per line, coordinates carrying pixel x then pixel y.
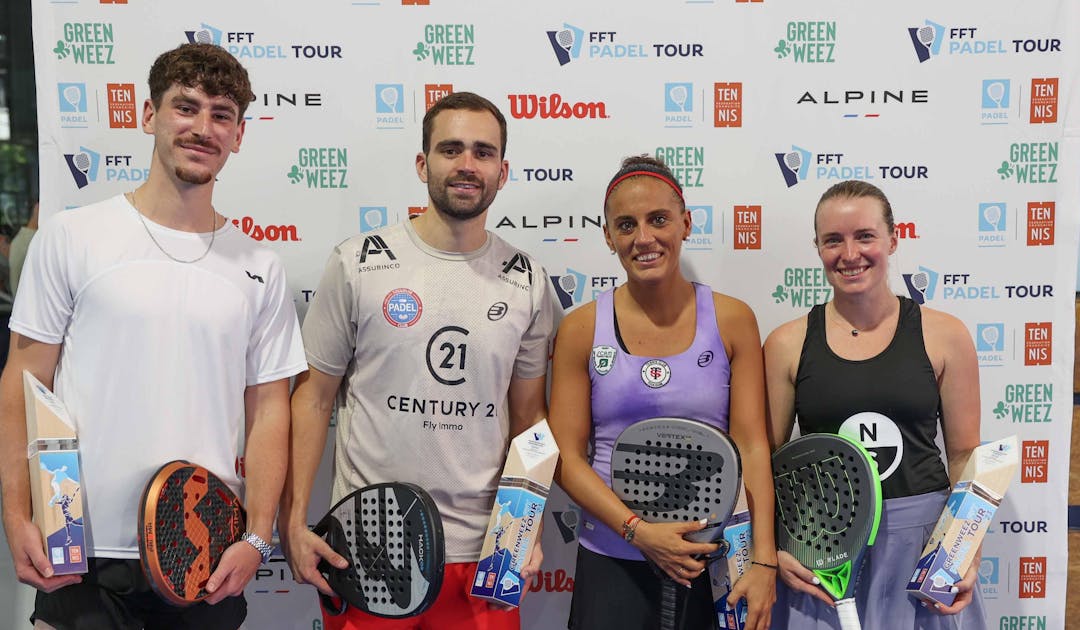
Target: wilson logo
{"type": "Point", "coordinates": [374, 245]}
{"type": "Point", "coordinates": [266, 232]}
{"type": "Point", "coordinates": [553, 106]}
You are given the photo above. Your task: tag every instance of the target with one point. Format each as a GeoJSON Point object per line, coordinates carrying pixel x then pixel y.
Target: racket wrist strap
{"type": "Point", "coordinates": [629, 527]}
{"type": "Point", "coordinates": [264, 548]}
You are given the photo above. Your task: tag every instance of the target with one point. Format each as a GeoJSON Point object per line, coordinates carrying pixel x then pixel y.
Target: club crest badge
{"type": "Point", "coordinates": [603, 359]}
{"type": "Point", "coordinates": [402, 308]}
{"type": "Point", "coordinates": [655, 373]}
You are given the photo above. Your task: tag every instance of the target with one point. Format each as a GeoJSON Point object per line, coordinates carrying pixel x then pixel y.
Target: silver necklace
{"type": "Point", "coordinates": [213, 233]}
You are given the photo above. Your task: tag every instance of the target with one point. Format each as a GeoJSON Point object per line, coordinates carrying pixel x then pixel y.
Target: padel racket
{"type": "Point", "coordinates": [669, 470]}
{"type": "Point", "coordinates": [392, 536]}
{"type": "Point", "coordinates": [188, 517]}
{"type": "Point", "coordinates": [828, 507]}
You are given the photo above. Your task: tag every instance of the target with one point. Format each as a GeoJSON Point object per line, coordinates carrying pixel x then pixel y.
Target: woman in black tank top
{"type": "Point", "coordinates": [886, 371]}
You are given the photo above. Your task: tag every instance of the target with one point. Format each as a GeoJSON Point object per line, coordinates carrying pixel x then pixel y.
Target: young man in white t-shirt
{"type": "Point", "coordinates": [438, 332]}
{"type": "Point", "coordinates": [168, 334]}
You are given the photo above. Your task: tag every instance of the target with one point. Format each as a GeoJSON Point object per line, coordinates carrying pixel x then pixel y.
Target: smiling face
{"type": "Point", "coordinates": [646, 225]}
{"type": "Point", "coordinates": [463, 167]}
{"type": "Point", "coordinates": [194, 133]}
{"type": "Point", "coordinates": [854, 243]}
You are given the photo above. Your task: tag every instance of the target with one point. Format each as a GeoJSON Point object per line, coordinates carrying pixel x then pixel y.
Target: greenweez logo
{"type": "Point", "coordinates": [1026, 403]}
{"type": "Point", "coordinates": [321, 167]}
{"type": "Point", "coordinates": [687, 164]}
{"type": "Point", "coordinates": [447, 45]}
{"type": "Point", "coordinates": [88, 43]}
{"type": "Point", "coordinates": [803, 287]}
{"type": "Point", "coordinates": [808, 42]}
{"type": "Point", "coordinates": [1031, 163]}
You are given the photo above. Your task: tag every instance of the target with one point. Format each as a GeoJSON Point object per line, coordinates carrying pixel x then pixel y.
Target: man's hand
{"type": "Point", "coordinates": [304, 550]}
{"type": "Point", "coordinates": [31, 565]}
{"type": "Point", "coordinates": [236, 568]}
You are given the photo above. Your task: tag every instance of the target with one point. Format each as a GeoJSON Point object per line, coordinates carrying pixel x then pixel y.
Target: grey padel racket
{"type": "Point", "coordinates": [669, 470]}
{"type": "Point", "coordinates": [828, 507]}
{"type": "Point", "coordinates": [392, 536]}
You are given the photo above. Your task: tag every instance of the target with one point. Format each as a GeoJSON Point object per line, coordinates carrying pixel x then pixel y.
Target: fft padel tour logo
{"type": "Point", "coordinates": [321, 167]}
{"type": "Point", "coordinates": [808, 42]}
{"type": "Point", "coordinates": [447, 45]}
{"type": "Point", "coordinates": [929, 38]}
{"type": "Point", "coordinates": [87, 166]}
{"type": "Point", "coordinates": [574, 287]}
{"type": "Point", "coordinates": [89, 43]}
{"type": "Point", "coordinates": [571, 43]}
{"type": "Point", "coordinates": [795, 167]}
{"type": "Point", "coordinates": [247, 45]}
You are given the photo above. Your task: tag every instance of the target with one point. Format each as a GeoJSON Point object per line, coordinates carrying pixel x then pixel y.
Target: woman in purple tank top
{"type": "Point", "coordinates": [658, 345]}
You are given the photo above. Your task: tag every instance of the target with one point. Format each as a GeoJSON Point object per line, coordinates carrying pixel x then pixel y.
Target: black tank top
{"type": "Point", "coordinates": [890, 402]}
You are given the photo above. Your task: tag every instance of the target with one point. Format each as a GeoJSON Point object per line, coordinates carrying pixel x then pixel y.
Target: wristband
{"type": "Point", "coordinates": [765, 564]}
{"type": "Point", "coordinates": [629, 525]}
{"type": "Point", "coordinates": [264, 548]}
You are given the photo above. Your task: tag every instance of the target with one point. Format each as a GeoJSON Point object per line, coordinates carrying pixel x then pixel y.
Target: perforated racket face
{"type": "Point", "coordinates": [188, 517]}
{"type": "Point", "coordinates": [392, 535]}
{"type": "Point", "coordinates": [674, 469]}
{"type": "Point", "coordinates": [828, 505]}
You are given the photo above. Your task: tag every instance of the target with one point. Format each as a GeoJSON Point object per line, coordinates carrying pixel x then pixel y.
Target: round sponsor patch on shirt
{"type": "Point", "coordinates": [402, 308]}
{"type": "Point", "coordinates": [603, 359]}
{"type": "Point", "coordinates": [655, 373]}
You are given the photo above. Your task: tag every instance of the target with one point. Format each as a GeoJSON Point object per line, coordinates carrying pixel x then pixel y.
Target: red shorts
{"type": "Point", "coordinates": [454, 609]}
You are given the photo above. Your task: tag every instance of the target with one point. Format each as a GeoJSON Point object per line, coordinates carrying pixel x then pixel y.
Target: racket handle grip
{"type": "Point", "coordinates": [848, 613]}
{"type": "Point", "coordinates": [668, 604]}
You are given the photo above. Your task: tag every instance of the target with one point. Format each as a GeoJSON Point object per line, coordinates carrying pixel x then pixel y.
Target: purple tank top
{"type": "Point", "coordinates": [627, 388]}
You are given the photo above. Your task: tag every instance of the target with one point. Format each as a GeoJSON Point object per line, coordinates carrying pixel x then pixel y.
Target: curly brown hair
{"type": "Point", "coordinates": [206, 66]}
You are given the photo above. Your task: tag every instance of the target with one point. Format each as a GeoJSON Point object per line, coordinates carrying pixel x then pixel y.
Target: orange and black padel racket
{"type": "Point", "coordinates": [188, 517]}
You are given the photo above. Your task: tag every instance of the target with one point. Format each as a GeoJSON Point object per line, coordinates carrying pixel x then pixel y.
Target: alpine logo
{"type": "Point", "coordinates": [374, 245]}
{"type": "Point", "coordinates": [519, 262]}
{"type": "Point", "coordinates": [553, 106]}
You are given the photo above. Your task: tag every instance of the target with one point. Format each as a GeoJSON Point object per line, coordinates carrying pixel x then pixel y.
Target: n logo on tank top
{"type": "Point", "coordinates": [655, 373]}
{"type": "Point", "coordinates": [603, 359]}
{"type": "Point", "coordinates": [880, 436]}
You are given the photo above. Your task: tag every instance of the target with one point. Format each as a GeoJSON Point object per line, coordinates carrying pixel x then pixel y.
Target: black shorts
{"type": "Point", "coordinates": [610, 593]}
{"type": "Point", "coordinates": [115, 594]}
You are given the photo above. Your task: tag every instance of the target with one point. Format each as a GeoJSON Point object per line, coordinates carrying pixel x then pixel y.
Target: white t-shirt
{"type": "Point", "coordinates": [156, 354]}
{"type": "Point", "coordinates": [428, 341]}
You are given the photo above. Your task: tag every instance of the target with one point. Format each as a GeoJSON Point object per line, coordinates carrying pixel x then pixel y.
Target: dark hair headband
{"type": "Point", "coordinates": [642, 169]}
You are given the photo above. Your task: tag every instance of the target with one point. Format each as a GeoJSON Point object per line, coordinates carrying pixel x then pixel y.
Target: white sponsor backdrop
{"type": "Point", "coordinates": [965, 113]}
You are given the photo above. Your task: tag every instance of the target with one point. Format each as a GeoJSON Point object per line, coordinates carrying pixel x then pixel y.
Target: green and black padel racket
{"type": "Point", "coordinates": [828, 507]}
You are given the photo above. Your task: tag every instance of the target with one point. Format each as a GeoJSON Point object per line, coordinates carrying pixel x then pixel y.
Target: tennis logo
{"type": "Point", "coordinates": [447, 45]}
{"type": "Point", "coordinates": [1044, 101]}
{"type": "Point", "coordinates": [656, 373]}
{"type": "Point", "coordinates": [727, 104]}
{"type": "Point", "coordinates": [1031, 403]}
{"type": "Point", "coordinates": [1034, 461]}
{"type": "Point", "coordinates": [1032, 577]}
{"type": "Point", "coordinates": [1038, 343]}
{"type": "Point", "coordinates": [402, 308]}
{"type": "Point", "coordinates": [1031, 163]}
{"type": "Point", "coordinates": [433, 92]}
{"type": "Point", "coordinates": [603, 359]}
{"type": "Point", "coordinates": [808, 42]}
{"type": "Point", "coordinates": [89, 43]}
{"type": "Point", "coordinates": [121, 105]}
{"type": "Point", "coordinates": [687, 164]}
{"type": "Point", "coordinates": [747, 230]}
{"type": "Point", "coordinates": [1040, 223]}
{"type": "Point", "coordinates": [321, 167]}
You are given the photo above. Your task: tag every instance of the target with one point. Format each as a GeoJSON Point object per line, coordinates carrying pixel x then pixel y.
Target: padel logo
{"type": "Point", "coordinates": [727, 104]}
{"type": "Point", "coordinates": [83, 166]}
{"type": "Point", "coordinates": [1040, 223]}
{"type": "Point", "coordinates": [246, 45]}
{"type": "Point", "coordinates": [258, 232]}
{"type": "Point", "coordinates": [402, 308]}
{"type": "Point", "coordinates": [557, 228]}
{"type": "Point", "coordinates": [687, 164]}
{"type": "Point", "coordinates": [992, 219]}
{"type": "Point", "coordinates": [989, 577]}
{"type": "Point", "coordinates": [1026, 403]}
{"type": "Point", "coordinates": [1031, 163]}
{"type": "Point", "coordinates": [568, 521]}
{"type": "Point", "coordinates": [447, 45]}
{"type": "Point", "coordinates": [574, 287]}
{"type": "Point", "coordinates": [701, 228]}
{"type": "Point", "coordinates": [808, 42]}
{"type": "Point", "coordinates": [389, 106]}
{"type": "Point", "coordinates": [87, 43]}
{"type": "Point", "coordinates": [803, 287]}
{"type": "Point", "coordinates": [747, 230]}
{"type": "Point", "coordinates": [1034, 461]}
{"type": "Point", "coordinates": [372, 218]}
{"type": "Point", "coordinates": [996, 96]}
{"type": "Point", "coordinates": [121, 105]}
{"type": "Point", "coordinates": [569, 42]}
{"type": "Point", "coordinates": [1044, 101]}
{"type": "Point", "coordinates": [1032, 577]}
{"type": "Point", "coordinates": [678, 105]}
{"type": "Point", "coordinates": [73, 107]}
{"type": "Point", "coordinates": [968, 40]}
{"type": "Point", "coordinates": [553, 107]}
{"type": "Point", "coordinates": [321, 167]}
{"type": "Point", "coordinates": [435, 91]}
{"type": "Point", "coordinates": [1038, 343]}
{"type": "Point", "coordinates": [990, 344]}
{"type": "Point", "coordinates": [795, 167]}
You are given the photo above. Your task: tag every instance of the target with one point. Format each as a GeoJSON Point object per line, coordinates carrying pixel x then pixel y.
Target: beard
{"type": "Point", "coordinates": [458, 209]}
{"type": "Point", "coordinates": [190, 175]}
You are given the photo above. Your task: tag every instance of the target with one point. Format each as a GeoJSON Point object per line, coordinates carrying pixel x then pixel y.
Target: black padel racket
{"type": "Point", "coordinates": [677, 470]}
{"type": "Point", "coordinates": [828, 507]}
{"type": "Point", "coordinates": [188, 517]}
{"type": "Point", "coordinates": [392, 536]}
